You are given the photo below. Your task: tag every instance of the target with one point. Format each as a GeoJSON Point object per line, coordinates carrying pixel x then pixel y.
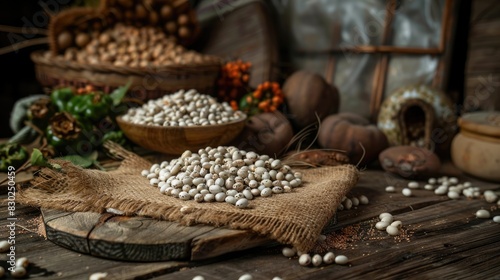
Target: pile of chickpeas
{"type": "Point", "coordinates": [136, 47]}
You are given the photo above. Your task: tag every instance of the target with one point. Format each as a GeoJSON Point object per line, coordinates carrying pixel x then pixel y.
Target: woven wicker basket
{"type": "Point", "coordinates": [146, 82]}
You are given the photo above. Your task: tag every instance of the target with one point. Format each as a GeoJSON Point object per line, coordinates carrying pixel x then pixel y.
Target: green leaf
{"type": "Point", "coordinates": [84, 162]}
{"type": "Point", "coordinates": [78, 160]}
{"type": "Point", "coordinates": [37, 159]}
{"type": "Point", "coordinates": [98, 165]}
{"type": "Point", "coordinates": [93, 156]}
{"type": "Point", "coordinates": [118, 94]}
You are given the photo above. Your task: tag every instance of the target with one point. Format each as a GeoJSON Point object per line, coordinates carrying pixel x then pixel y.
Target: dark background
{"type": "Point", "coordinates": [17, 76]}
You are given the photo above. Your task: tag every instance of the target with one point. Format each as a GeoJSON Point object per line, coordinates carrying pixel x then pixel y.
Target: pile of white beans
{"type": "Point", "coordinates": [388, 224]}
{"type": "Point", "coordinates": [352, 202]}
{"type": "Point", "coordinates": [306, 259]}
{"type": "Point", "coordinates": [451, 187]}
{"type": "Point", "coordinates": [183, 108]}
{"type": "Point", "coordinates": [222, 174]}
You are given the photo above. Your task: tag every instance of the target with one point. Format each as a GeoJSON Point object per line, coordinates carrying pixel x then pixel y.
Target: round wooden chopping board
{"type": "Point", "coordinates": [141, 238]}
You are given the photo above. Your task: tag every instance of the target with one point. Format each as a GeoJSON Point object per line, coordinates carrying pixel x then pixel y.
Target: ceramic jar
{"type": "Point", "coordinates": [476, 149]}
{"type": "Point", "coordinates": [418, 115]}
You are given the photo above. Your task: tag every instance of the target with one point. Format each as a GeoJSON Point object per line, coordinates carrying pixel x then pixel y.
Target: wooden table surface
{"type": "Point", "coordinates": [442, 240]}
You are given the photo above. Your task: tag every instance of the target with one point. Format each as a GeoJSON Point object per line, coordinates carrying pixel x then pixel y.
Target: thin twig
{"type": "Point", "coordinates": [26, 165]}
{"type": "Point", "coordinates": [317, 131]}
{"type": "Point", "coordinates": [24, 44]}
{"type": "Point", "coordinates": [25, 228]}
{"type": "Point", "coordinates": [363, 156]}
{"type": "Point", "coordinates": [297, 137]}
{"type": "Point", "coordinates": [21, 30]}
{"type": "Point", "coordinates": [133, 100]}
{"type": "Point", "coordinates": [34, 127]}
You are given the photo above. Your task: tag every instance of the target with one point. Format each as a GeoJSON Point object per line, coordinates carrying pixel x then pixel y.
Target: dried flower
{"type": "Point", "coordinates": [65, 126]}
{"type": "Point", "coordinates": [40, 109]}
{"type": "Point", "coordinates": [48, 151]}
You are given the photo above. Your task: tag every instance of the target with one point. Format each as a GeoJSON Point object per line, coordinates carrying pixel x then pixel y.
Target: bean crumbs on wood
{"type": "Point", "coordinates": [349, 237]}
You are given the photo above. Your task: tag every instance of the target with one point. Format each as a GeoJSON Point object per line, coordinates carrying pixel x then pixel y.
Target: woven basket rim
{"type": "Point", "coordinates": [210, 66]}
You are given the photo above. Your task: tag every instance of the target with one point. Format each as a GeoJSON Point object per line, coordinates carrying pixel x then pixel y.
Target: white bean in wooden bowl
{"type": "Point", "coordinates": [183, 109]}
{"type": "Point", "coordinates": [185, 120]}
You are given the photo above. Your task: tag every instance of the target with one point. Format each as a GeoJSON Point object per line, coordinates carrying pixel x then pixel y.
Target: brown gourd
{"type": "Point", "coordinates": [308, 94]}
{"type": "Point", "coordinates": [347, 132]}
{"type": "Point", "coordinates": [410, 162]}
{"type": "Point", "coordinates": [265, 133]}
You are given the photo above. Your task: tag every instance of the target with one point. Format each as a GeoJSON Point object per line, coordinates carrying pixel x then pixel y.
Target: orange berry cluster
{"type": "Point", "coordinates": [268, 97]}
{"type": "Point", "coordinates": [233, 82]}
{"type": "Point", "coordinates": [234, 105]}
{"type": "Point", "coordinates": [85, 90]}
{"type": "Point", "coordinates": [271, 95]}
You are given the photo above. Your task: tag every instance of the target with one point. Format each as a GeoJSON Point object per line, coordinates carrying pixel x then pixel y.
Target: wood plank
{"type": "Point", "coordinates": [484, 10]}
{"type": "Point", "coordinates": [21, 177]}
{"type": "Point", "coordinates": [246, 33]}
{"type": "Point", "coordinates": [484, 29]}
{"type": "Point", "coordinates": [483, 42]}
{"type": "Point", "coordinates": [483, 60]}
{"type": "Point", "coordinates": [218, 242]}
{"type": "Point", "coordinates": [482, 91]}
{"type": "Point", "coordinates": [483, 54]}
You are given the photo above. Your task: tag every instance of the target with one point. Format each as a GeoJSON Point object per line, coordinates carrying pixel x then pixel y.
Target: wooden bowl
{"type": "Point", "coordinates": [175, 140]}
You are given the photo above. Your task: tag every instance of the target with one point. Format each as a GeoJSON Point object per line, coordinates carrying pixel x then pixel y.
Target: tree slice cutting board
{"type": "Point", "coordinates": [142, 239]}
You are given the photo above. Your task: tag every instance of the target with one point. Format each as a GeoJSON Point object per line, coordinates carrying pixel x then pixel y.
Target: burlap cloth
{"type": "Point", "coordinates": [295, 218]}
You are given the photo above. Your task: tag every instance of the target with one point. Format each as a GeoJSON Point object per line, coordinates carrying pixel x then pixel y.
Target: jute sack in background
{"type": "Point", "coordinates": [295, 218]}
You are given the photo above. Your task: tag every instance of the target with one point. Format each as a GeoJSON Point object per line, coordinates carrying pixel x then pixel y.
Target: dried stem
{"type": "Point", "coordinates": [300, 137]}
{"type": "Point", "coordinates": [363, 156]}
{"type": "Point", "coordinates": [34, 127]}
{"type": "Point", "coordinates": [24, 44]}
{"type": "Point", "coordinates": [132, 100]}
{"type": "Point", "coordinates": [21, 30]}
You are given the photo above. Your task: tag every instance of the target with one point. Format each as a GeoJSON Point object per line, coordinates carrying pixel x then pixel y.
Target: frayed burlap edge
{"type": "Point", "coordinates": [295, 218]}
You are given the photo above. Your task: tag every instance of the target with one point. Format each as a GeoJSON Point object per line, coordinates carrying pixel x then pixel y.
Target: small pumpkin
{"type": "Point", "coordinates": [308, 94]}
{"type": "Point", "coordinates": [410, 162]}
{"type": "Point", "coordinates": [347, 132]}
{"type": "Point", "coordinates": [265, 133]}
